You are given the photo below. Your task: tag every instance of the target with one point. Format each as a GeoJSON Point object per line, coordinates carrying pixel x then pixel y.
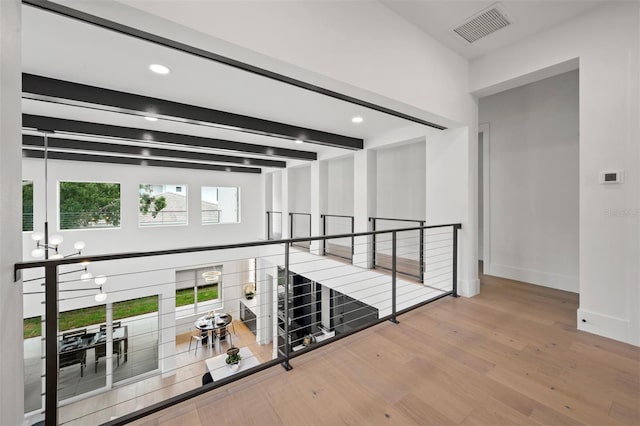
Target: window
{"type": "Point", "coordinates": [89, 205]}
{"type": "Point", "coordinates": [27, 205]}
{"type": "Point", "coordinates": [220, 205]}
{"type": "Point", "coordinates": [197, 289]}
{"type": "Point", "coordinates": [162, 205]}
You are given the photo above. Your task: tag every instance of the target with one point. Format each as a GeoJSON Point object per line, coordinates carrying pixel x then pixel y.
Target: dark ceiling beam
{"type": "Point", "coordinates": [107, 130]}
{"type": "Point", "coordinates": [55, 90]}
{"type": "Point", "coordinates": [92, 158]}
{"type": "Point", "coordinates": [201, 53]}
{"type": "Point", "coordinates": [75, 144]}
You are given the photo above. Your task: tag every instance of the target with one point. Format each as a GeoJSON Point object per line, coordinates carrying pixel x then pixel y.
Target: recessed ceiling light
{"type": "Point", "coordinates": [298, 140]}
{"type": "Point", "coordinates": [151, 119]}
{"type": "Point", "coordinates": [357, 119]}
{"type": "Point", "coordinates": [159, 69]}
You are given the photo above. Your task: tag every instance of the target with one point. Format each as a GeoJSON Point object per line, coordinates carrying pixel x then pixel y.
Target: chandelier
{"type": "Point", "coordinates": [49, 246]}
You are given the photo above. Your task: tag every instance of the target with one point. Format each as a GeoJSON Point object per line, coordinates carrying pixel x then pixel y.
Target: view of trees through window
{"type": "Point", "coordinates": [27, 205]}
{"type": "Point", "coordinates": [89, 205]}
{"type": "Point", "coordinates": [220, 205]}
{"type": "Point", "coordinates": [162, 204]}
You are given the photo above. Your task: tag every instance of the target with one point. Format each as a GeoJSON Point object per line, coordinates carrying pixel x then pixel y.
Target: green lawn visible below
{"type": "Point", "coordinates": [185, 296]}
{"type": "Point", "coordinates": [94, 315]}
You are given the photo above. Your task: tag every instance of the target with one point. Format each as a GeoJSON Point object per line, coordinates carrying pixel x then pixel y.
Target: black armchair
{"type": "Point", "coordinates": [74, 356]}
{"type": "Point", "coordinates": [101, 349]}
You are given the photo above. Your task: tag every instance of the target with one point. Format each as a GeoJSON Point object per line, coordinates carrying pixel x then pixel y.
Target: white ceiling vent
{"type": "Point", "coordinates": [482, 24]}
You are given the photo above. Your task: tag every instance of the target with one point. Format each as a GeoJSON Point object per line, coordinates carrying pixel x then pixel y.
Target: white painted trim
{"type": "Point", "coordinates": [533, 276]}
{"type": "Point", "coordinates": [604, 325]}
{"type": "Point", "coordinates": [485, 129]}
{"type": "Point", "coordinates": [468, 288]}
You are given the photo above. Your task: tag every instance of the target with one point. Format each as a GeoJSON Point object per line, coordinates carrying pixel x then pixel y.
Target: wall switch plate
{"type": "Point", "coordinates": [611, 176]}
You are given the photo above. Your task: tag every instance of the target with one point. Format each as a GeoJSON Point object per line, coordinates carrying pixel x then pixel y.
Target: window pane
{"type": "Point", "coordinates": [209, 282]}
{"type": "Point", "coordinates": [89, 205]}
{"type": "Point", "coordinates": [27, 205]}
{"type": "Point", "coordinates": [135, 348]}
{"type": "Point", "coordinates": [220, 205]}
{"type": "Point", "coordinates": [163, 204]}
{"type": "Point", "coordinates": [196, 289]}
{"type": "Point", "coordinates": [79, 331]}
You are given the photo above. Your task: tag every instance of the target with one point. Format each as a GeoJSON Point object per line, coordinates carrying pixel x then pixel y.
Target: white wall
{"type": "Point", "coordinates": [339, 176]}
{"type": "Point", "coordinates": [532, 204]}
{"type": "Point", "coordinates": [11, 359]}
{"type": "Point", "coordinates": [300, 189]}
{"type": "Point", "coordinates": [129, 236]}
{"type": "Point", "coordinates": [401, 173]}
{"type": "Point", "coordinates": [606, 43]}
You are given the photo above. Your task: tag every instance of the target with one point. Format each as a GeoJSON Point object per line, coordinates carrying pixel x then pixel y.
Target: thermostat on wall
{"type": "Point", "coordinates": [611, 176]}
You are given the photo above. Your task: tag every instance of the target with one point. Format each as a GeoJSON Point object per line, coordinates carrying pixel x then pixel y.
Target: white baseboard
{"type": "Point", "coordinates": [468, 288]}
{"type": "Point", "coordinates": [605, 325]}
{"type": "Point", "coordinates": [532, 276]}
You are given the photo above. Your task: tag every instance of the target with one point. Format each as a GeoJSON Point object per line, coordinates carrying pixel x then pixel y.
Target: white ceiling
{"type": "Point", "coordinates": [58, 47]}
{"type": "Point", "coordinates": [438, 18]}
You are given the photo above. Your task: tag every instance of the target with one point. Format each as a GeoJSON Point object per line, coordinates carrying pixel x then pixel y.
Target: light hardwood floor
{"type": "Point", "coordinates": [510, 356]}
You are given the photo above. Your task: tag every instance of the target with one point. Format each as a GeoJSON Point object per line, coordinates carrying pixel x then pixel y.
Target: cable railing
{"type": "Point", "coordinates": [164, 334]}
{"type": "Point", "coordinates": [300, 227]}
{"type": "Point", "coordinates": [87, 219]}
{"type": "Point", "coordinates": [410, 261]}
{"type": "Point", "coordinates": [164, 217]}
{"type": "Point", "coordinates": [274, 225]}
{"type": "Point", "coordinates": [210, 216]}
{"type": "Point", "coordinates": [338, 224]}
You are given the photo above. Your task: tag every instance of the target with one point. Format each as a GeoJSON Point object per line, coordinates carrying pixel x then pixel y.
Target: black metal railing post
{"type": "Point", "coordinates": [454, 288]}
{"type": "Point", "coordinates": [51, 345]}
{"type": "Point", "coordinates": [393, 277]}
{"type": "Point", "coordinates": [291, 227]}
{"type": "Point", "coordinates": [421, 279]}
{"type": "Point", "coordinates": [268, 226]}
{"type": "Point", "coordinates": [287, 318]}
{"type": "Point", "coordinates": [373, 243]}
{"type": "Point", "coordinates": [324, 232]}
{"type": "Point", "coordinates": [353, 239]}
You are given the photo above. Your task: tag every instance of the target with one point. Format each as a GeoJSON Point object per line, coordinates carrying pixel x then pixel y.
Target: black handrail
{"type": "Point", "coordinates": [324, 232]}
{"type": "Point", "coordinates": [133, 254]}
{"type": "Point", "coordinates": [399, 220]}
{"type": "Point", "coordinates": [420, 275]}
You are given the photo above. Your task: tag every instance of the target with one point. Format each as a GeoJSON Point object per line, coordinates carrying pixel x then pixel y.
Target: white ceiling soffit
{"type": "Point", "coordinates": [66, 49]}
{"type": "Point", "coordinates": [439, 19]}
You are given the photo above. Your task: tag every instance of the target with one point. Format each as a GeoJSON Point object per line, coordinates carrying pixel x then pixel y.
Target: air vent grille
{"type": "Point", "coordinates": [487, 22]}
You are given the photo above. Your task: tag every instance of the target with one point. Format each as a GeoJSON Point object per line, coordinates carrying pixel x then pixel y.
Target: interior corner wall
{"type": "Point", "coordinates": [11, 357]}
{"type": "Point", "coordinates": [400, 181]}
{"type": "Point", "coordinates": [340, 186]}
{"type": "Point", "coordinates": [533, 180]}
{"type": "Point", "coordinates": [299, 189]}
{"type": "Point", "coordinates": [606, 42]}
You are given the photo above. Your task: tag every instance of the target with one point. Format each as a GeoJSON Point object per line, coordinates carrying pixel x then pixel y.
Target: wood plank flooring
{"type": "Point", "coordinates": [510, 356]}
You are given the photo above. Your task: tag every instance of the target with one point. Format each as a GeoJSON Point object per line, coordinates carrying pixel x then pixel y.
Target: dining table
{"type": "Point", "coordinates": [210, 323]}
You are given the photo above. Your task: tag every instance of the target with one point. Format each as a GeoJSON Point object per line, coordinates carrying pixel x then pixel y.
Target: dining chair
{"type": "Point", "coordinates": [206, 378]}
{"type": "Point", "coordinates": [199, 338]}
{"type": "Point", "coordinates": [101, 350]}
{"type": "Point", "coordinates": [222, 335]}
{"type": "Point", "coordinates": [66, 359]}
